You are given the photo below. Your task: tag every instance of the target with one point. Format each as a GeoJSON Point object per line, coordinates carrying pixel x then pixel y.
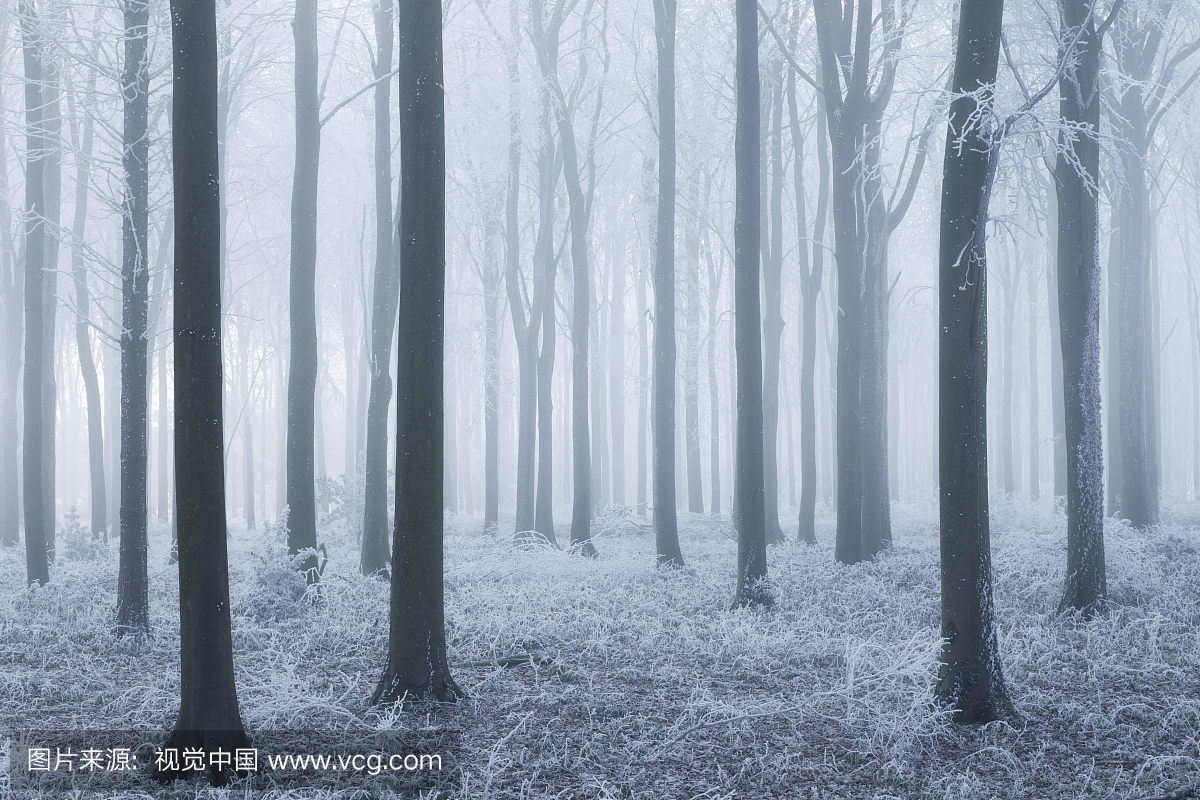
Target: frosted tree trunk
{"type": "Point", "coordinates": [970, 679]}
{"type": "Point", "coordinates": [616, 376]}
{"type": "Point", "coordinates": [133, 613]}
{"type": "Point", "coordinates": [691, 357]}
{"type": "Point", "coordinates": [1035, 445]}
{"type": "Point", "coordinates": [714, 394]}
{"type": "Point", "coordinates": [1076, 173]}
{"type": "Point", "coordinates": [36, 561]}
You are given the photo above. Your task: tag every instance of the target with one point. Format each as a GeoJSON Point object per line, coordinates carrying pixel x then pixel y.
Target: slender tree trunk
{"type": "Point", "coordinates": [1035, 445]}
{"type": "Point", "coordinates": [449, 441]}
{"type": "Point", "coordinates": [970, 680]}
{"type": "Point", "coordinates": [1076, 175]}
{"type": "Point", "coordinates": [491, 387]}
{"type": "Point", "coordinates": [208, 711]}
{"type": "Point", "coordinates": [36, 561]}
{"type": "Point", "coordinates": [384, 299]}
{"type": "Point", "coordinates": [644, 387]}
{"type": "Point", "coordinates": [83, 341]}
{"type": "Point", "coordinates": [133, 612]}
{"type": "Point", "coordinates": [52, 128]}
{"type": "Point", "coordinates": [1008, 462]}
{"type": "Point", "coordinates": [417, 664]}
{"type": "Point", "coordinates": [810, 290]}
{"type": "Point", "coordinates": [666, 531]}
{"type": "Point", "coordinates": [616, 376]}
{"type": "Point", "coordinates": [714, 396]}
{"type": "Point", "coordinates": [691, 358]}
{"type": "Point", "coordinates": [11, 313]}
{"type": "Point", "coordinates": [751, 500]}
{"type": "Point", "coordinates": [302, 377]}
{"type": "Point", "coordinates": [773, 314]}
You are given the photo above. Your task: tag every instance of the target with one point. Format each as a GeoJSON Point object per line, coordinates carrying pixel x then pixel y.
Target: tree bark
{"type": "Point", "coordinates": [616, 376]}
{"type": "Point", "coordinates": [691, 358]}
{"type": "Point", "coordinates": [1076, 176]}
{"type": "Point", "coordinates": [36, 562]}
{"type": "Point", "coordinates": [751, 500]}
{"type": "Point", "coordinates": [666, 530]}
{"type": "Point", "coordinates": [133, 612]}
{"type": "Point", "coordinates": [416, 660]}
{"type": "Point", "coordinates": [970, 680]}
{"type": "Point", "coordinates": [302, 377]}
{"type": "Point", "coordinates": [1035, 444]}
{"type": "Point", "coordinates": [384, 300]}
{"type": "Point", "coordinates": [52, 142]}
{"type": "Point", "coordinates": [773, 313]}
{"type": "Point", "coordinates": [208, 711]}
{"type": "Point", "coordinates": [714, 396]}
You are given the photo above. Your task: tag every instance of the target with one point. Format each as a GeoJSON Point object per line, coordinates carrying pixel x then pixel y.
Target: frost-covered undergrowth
{"type": "Point", "coordinates": [643, 682]}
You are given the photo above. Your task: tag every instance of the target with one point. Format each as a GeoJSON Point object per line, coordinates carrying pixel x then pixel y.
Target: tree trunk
{"type": "Point", "coordinates": [302, 378]}
{"type": "Point", "coordinates": [449, 440]}
{"type": "Point", "coordinates": [491, 387]}
{"type": "Point", "coordinates": [52, 129]}
{"type": "Point", "coordinates": [810, 290]}
{"type": "Point", "coordinates": [133, 612]}
{"type": "Point", "coordinates": [36, 561]}
{"type": "Point", "coordinates": [644, 380]}
{"type": "Point", "coordinates": [10, 328]}
{"type": "Point", "coordinates": [773, 314]}
{"type": "Point", "coordinates": [416, 659]}
{"type": "Point", "coordinates": [714, 396]}
{"type": "Point", "coordinates": [83, 341]}
{"type": "Point", "coordinates": [970, 680]}
{"type": "Point", "coordinates": [1035, 444]}
{"type": "Point", "coordinates": [1011, 281]}
{"type": "Point", "coordinates": [691, 359]}
{"type": "Point", "coordinates": [616, 376]}
{"type": "Point", "coordinates": [1076, 174]}
{"type": "Point", "coordinates": [751, 500]}
{"type": "Point", "coordinates": [666, 531]}
{"type": "Point", "coordinates": [208, 711]}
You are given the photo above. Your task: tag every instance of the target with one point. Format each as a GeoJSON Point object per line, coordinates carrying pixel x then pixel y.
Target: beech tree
{"type": "Point", "coordinates": [36, 560]}
{"type": "Point", "coordinates": [748, 486]}
{"type": "Point", "coordinates": [970, 680]}
{"type": "Point", "coordinates": [133, 613]}
{"type": "Point", "coordinates": [666, 530]}
{"type": "Point", "coordinates": [208, 710]}
{"type": "Point", "coordinates": [416, 665]}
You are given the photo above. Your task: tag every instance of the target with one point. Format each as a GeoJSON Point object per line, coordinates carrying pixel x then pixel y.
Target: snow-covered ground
{"type": "Point", "coordinates": [643, 682]}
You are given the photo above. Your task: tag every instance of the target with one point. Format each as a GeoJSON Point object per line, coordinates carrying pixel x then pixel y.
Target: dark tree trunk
{"type": "Point", "coordinates": [36, 560]}
{"type": "Point", "coordinates": [302, 378]}
{"type": "Point", "coordinates": [1011, 280]}
{"type": "Point", "coordinates": [1059, 462]}
{"type": "Point", "coordinates": [666, 530]}
{"type": "Point", "coordinates": [133, 612]}
{"type": "Point", "coordinates": [83, 341]}
{"type": "Point", "coordinates": [1076, 175]}
{"type": "Point", "coordinates": [416, 659]}
{"type": "Point", "coordinates": [773, 313]}
{"type": "Point", "coordinates": [691, 359]}
{"type": "Point", "coordinates": [384, 299]}
{"type": "Point", "coordinates": [751, 500]}
{"type": "Point", "coordinates": [810, 290]}
{"type": "Point", "coordinates": [970, 680]}
{"type": "Point", "coordinates": [208, 711]}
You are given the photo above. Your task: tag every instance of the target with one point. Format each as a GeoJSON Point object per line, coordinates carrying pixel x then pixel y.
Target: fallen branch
{"type": "Point", "coordinates": [512, 661]}
{"type": "Point", "coordinates": [1178, 794]}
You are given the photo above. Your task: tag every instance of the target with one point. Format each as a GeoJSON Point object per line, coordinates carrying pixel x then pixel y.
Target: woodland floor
{"type": "Point", "coordinates": [644, 683]}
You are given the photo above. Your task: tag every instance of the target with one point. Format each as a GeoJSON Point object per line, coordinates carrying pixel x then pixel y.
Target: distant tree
{"type": "Point", "coordinates": [12, 310]}
{"type": "Point", "coordinates": [416, 660]}
{"type": "Point", "coordinates": [36, 560]}
{"type": "Point", "coordinates": [82, 143]}
{"type": "Point", "coordinates": [666, 526]}
{"type": "Point", "coordinates": [970, 680]}
{"type": "Point", "coordinates": [133, 612]}
{"type": "Point", "coordinates": [751, 497]}
{"type": "Point", "coordinates": [208, 711]}
{"type": "Point", "coordinates": [52, 210]}
{"type": "Point", "coordinates": [385, 296]}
